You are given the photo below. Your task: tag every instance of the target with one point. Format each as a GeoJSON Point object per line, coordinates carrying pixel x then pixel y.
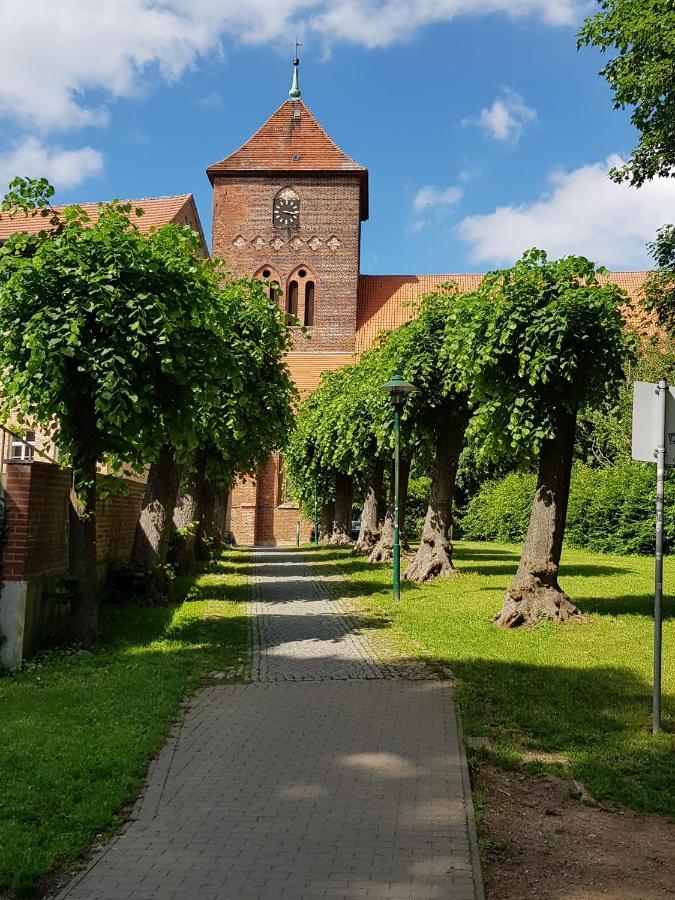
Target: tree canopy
{"type": "Point", "coordinates": [542, 336]}
{"type": "Point", "coordinates": [642, 76]}
{"type": "Point", "coordinates": [126, 346]}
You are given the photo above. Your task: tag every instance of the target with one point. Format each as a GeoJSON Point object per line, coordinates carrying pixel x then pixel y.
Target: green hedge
{"type": "Point", "coordinates": [610, 510]}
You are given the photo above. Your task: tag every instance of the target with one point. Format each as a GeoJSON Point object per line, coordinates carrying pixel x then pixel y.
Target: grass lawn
{"type": "Point", "coordinates": [77, 733]}
{"type": "Point", "coordinates": [579, 692]}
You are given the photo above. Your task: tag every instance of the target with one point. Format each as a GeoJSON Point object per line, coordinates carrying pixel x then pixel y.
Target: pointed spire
{"type": "Point", "coordinates": [294, 92]}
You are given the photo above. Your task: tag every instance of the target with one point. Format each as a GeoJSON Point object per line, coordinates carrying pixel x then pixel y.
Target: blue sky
{"type": "Point", "coordinates": [484, 132]}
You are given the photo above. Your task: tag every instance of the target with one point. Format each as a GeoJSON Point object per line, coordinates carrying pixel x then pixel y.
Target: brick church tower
{"type": "Point", "coordinates": [287, 208]}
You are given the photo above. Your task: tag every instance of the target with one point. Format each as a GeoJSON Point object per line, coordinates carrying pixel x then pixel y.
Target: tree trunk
{"type": "Point", "coordinates": [368, 532]}
{"type": "Point", "coordinates": [186, 516]}
{"type": "Point", "coordinates": [215, 527]}
{"type": "Point", "coordinates": [206, 529]}
{"type": "Point", "coordinates": [153, 531]}
{"type": "Point", "coordinates": [383, 549]}
{"type": "Point", "coordinates": [344, 496]}
{"type": "Point", "coordinates": [535, 593]}
{"type": "Point", "coordinates": [434, 556]}
{"type": "Point", "coordinates": [82, 557]}
{"type": "Point", "coordinates": [326, 518]}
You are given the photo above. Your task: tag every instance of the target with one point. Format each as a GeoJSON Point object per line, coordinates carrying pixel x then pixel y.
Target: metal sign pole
{"type": "Point", "coordinates": [397, 475]}
{"type": "Point", "coordinates": [658, 574]}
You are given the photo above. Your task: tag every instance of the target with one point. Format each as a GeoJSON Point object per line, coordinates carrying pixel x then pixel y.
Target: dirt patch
{"type": "Point", "coordinates": [538, 841]}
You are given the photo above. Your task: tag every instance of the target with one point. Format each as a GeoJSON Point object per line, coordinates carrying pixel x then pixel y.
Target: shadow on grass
{"type": "Point", "coordinates": [188, 587]}
{"type": "Point", "coordinates": [599, 717]}
{"type": "Point", "coordinates": [483, 554]}
{"type": "Point", "coordinates": [629, 604]}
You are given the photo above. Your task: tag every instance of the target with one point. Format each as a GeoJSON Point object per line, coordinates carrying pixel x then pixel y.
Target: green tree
{"type": "Point", "coordinates": [316, 457]}
{"type": "Point", "coordinates": [112, 340]}
{"type": "Point", "coordinates": [642, 76]}
{"type": "Point", "coordinates": [604, 431]}
{"type": "Point", "coordinates": [534, 342]}
{"type": "Point", "coordinates": [338, 445]}
{"type": "Point", "coordinates": [439, 413]}
{"type": "Point", "coordinates": [250, 414]}
{"type": "Point", "coordinates": [660, 285]}
{"type": "Point", "coordinates": [309, 482]}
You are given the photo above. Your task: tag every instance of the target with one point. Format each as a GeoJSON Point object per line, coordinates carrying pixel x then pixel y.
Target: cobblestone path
{"type": "Point", "coordinates": [330, 774]}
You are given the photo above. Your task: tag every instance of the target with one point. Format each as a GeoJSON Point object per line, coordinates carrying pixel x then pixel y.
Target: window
{"type": "Point", "coordinates": [292, 305]}
{"type": "Point", "coordinates": [268, 275]}
{"type": "Point", "coordinates": [309, 303]}
{"type": "Point", "coordinates": [283, 486]}
{"type": "Point", "coordinates": [23, 449]}
{"type": "Point", "coordinates": [300, 293]}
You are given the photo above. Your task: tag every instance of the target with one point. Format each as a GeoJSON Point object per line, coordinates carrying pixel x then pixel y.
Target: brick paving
{"type": "Point", "coordinates": [330, 774]}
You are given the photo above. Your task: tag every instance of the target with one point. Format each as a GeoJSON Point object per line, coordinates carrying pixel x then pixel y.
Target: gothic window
{"type": "Point", "coordinates": [300, 295]}
{"type": "Point", "coordinates": [286, 209]}
{"type": "Point", "coordinates": [309, 303]}
{"type": "Point", "coordinates": [270, 278]}
{"type": "Point", "coordinates": [284, 494]}
{"type": "Point", "coordinates": [292, 303]}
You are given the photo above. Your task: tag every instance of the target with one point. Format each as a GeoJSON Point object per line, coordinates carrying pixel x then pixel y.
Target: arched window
{"type": "Point", "coordinates": [292, 302]}
{"type": "Point", "coordinates": [269, 276]}
{"type": "Point", "coordinates": [300, 292]}
{"type": "Point", "coordinates": [309, 303]}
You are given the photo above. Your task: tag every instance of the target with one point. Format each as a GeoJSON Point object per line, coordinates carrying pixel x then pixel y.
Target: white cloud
{"type": "Point", "coordinates": [63, 168]}
{"type": "Point", "coordinates": [505, 120]}
{"type": "Point", "coordinates": [429, 196]}
{"type": "Point", "coordinates": [380, 24]}
{"type": "Point", "coordinates": [431, 206]}
{"type": "Point", "coordinates": [53, 54]}
{"type": "Point", "coordinates": [214, 100]}
{"type": "Point", "coordinates": [586, 214]}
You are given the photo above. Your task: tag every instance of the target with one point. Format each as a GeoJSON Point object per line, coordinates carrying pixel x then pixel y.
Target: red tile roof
{"type": "Point", "coordinates": [291, 140]}
{"type": "Point", "coordinates": [387, 301]}
{"type": "Point", "coordinates": [157, 211]}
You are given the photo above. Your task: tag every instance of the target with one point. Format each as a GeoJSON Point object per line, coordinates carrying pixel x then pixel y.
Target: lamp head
{"type": "Point", "coordinates": [398, 388]}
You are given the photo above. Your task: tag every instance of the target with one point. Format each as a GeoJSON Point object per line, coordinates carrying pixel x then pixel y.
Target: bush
{"type": "Point", "coordinates": [500, 510]}
{"type": "Point", "coordinates": [416, 508]}
{"type": "Point", "coordinates": [610, 510]}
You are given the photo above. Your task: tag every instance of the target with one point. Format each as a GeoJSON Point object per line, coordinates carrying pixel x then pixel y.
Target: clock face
{"type": "Point", "coordinates": [286, 211]}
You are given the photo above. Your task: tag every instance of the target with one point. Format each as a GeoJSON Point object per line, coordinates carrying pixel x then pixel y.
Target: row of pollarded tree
{"type": "Point", "coordinates": [506, 367]}
{"type": "Point", "coordinates": [132, 349]}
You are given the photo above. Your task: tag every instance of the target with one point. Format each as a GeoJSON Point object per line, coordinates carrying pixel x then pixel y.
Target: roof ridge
{"type": "Point", "coordinates": [479, 274]}
{"type": "Point", "coordinates": [266, 149]}
{"type": "Point", "coordinates": [128, 200]}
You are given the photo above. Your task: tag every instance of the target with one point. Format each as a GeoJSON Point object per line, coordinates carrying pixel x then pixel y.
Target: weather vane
{"type": "Point", "coordinates": [297, 44]}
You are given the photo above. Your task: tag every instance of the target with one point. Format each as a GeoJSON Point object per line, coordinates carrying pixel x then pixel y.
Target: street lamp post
{"type": "Point", "coordinates": [398, 389]}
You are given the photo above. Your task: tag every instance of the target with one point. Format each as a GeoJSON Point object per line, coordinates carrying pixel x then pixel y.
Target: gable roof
{"type": "Point", "coordinates": [180, 209]}
{"type": "Point", "coordinates": [291, 141]}
{"type": "Point", "coordinates": [387, 301]}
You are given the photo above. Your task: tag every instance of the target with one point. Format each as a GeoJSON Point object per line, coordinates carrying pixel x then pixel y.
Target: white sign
{"type": "Point", "coordinates": [646, 423]}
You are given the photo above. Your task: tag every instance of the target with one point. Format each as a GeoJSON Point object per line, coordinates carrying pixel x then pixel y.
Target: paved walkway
{"type": "Point", "coordinates": [329, 775]}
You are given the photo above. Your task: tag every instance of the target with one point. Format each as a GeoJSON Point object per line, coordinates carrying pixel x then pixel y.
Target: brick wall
{"type": "Point", "coordinates": [258, 514]}
{"type": "Point", "coordinates": [36, 521]}
{"type": "Point", "coordinates": [326, 243]}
